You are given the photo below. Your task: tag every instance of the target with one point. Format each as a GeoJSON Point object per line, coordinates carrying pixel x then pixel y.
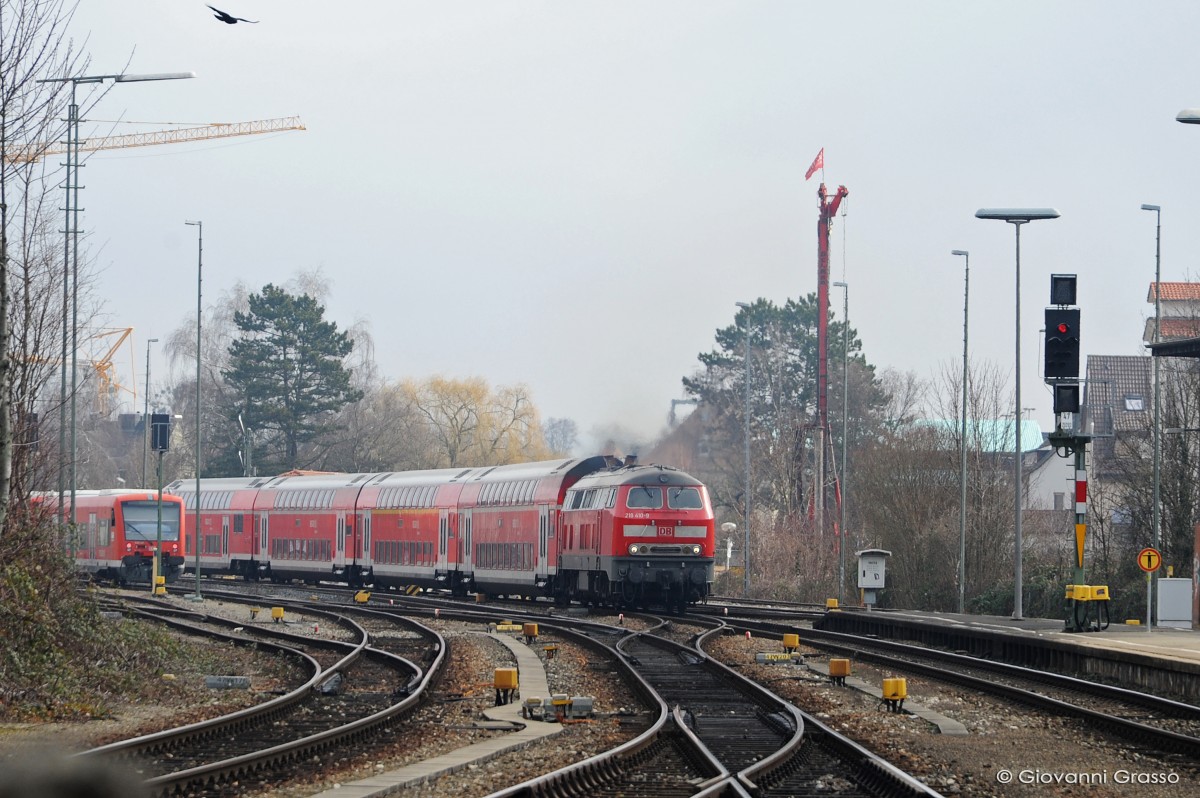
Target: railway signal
{"type": "Point", "coordinates": [1089, 603]}
{"type": "Point", "coordinates": [160, 441]}
{"type": "Point", "coordinates": [1062, 344]}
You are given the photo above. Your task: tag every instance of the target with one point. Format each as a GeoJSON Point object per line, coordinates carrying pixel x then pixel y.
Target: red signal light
{"type": "Point", "coordinates": [1063, 327]}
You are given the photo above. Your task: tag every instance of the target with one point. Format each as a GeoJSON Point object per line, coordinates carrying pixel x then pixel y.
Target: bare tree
{"type": "Point", "coordinates": [33, 47]}
{"type": "Point", "coordinates": [561, 435]}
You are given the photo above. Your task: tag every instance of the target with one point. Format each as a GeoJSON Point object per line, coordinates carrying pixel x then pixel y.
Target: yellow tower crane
{"type": "Point", "coordinates": [217, 130]}
{"type": "Point", "coordinates": [183, 135]}
{"type": "Point", "coordinates": [105, 370]}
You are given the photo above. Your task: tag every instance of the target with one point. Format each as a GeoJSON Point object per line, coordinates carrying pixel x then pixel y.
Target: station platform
{"type": "Point", "coordinates": [1161, 660]}
{"type": "Point", "coordinates": [1158, 641]}
{"type": "Point", "coordinates": [533, 681]}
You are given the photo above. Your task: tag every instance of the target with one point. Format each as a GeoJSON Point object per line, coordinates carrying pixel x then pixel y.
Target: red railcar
{"type": "Point", "coordinates": [590, 529]}
{"type": "Point", "coordinates": [117, 531]}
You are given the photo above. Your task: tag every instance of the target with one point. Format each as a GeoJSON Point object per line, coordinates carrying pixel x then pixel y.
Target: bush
{"type": "Point", "coordinates": [60, 658]}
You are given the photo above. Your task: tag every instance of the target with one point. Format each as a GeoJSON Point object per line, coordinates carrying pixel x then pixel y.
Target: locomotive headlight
{"type": "Point", "coordinates": [695, 549]}
{"type": "Point", "coordinates": [633, 548]}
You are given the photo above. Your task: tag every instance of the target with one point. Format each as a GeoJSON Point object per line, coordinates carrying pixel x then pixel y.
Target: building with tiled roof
{"type": "Point", "coordinates": [1179, 309]}
{"type": "Point", "coordinates": [1048, 477]}
{"type": "Point", "coordinates": [1117, 400]}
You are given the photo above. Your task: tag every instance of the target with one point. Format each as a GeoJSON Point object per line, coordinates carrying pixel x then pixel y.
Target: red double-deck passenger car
{"type": "Point", "coordinates": [594, 530]}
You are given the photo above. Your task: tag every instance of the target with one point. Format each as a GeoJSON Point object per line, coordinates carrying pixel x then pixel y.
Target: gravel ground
{"type": "Point", "coordinates": [1011, 751]}
{"type": "Point", "coordinates": [442, 724]}
{"type": "Point", "coordinates": [1040, 756]}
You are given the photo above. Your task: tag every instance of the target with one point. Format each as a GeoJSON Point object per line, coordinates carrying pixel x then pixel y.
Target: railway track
{"type": "Point", "coordinates": [714, 733]}
{"type": "Point", "coordinates": [355, 689]}
{"type": "Point", "coordinates": [1159, 724]}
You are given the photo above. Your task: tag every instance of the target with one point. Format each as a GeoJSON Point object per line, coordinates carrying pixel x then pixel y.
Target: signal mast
{"type": "Point", "coordinates": [829, 207]}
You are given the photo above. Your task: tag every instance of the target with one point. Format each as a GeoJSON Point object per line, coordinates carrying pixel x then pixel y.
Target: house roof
{"type": "Point", "coordinates": [992, 436]}
{"type": "Point", "coordinates": [1175, 292]}
{"type": "Point", "coordinates": [1172, 328]}
{"type": "Point", "coordinates": [1117, 395]}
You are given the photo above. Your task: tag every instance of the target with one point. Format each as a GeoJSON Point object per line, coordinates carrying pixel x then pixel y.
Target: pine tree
{"type": "Point", "coordinates": [287, 368]}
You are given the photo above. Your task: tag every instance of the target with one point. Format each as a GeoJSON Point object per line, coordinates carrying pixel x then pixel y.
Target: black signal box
{"type": "Point", "coordinates": [1062, 289]}
{"type": "Point", "coordinates": [1062, 344]}
{"type": "Point", "coordinates": [1066, 397]}
{"type": "Point", "coordinates": [160, 432]}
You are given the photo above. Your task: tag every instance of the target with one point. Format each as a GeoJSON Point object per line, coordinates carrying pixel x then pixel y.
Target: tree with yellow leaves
{"type": "Point", "coordinates": [472, 424]}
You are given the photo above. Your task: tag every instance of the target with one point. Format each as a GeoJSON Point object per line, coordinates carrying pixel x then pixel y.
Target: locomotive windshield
{"type": "Point", "coordinates": [141, 520]}
{"type": "Point", "coordinates": [644, 497]}
{"type": "Point", "coordinates": [684, 499]}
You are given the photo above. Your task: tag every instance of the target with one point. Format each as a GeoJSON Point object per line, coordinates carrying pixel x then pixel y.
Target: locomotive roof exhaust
{"type": "Point", "coordinates": [630, 460]}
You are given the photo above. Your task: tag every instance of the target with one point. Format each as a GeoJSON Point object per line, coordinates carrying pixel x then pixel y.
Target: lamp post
{"type": "Point", "coordinates": [199, 294]}
{"type": "Point", "coordinates": [146, 411]}
{"type": "Point", "coordinates": [71, 269]}
{"type": "Point", "coordinates": [845, 431]}
{"type": "Point", "coordinates": [962, 443]}
{"type": "Point", "coordinates": [746, 448]}
{"type": "Point", "coordinates": [1156, 510]}
{"type": "Point", "coordinates": [1017, 217]}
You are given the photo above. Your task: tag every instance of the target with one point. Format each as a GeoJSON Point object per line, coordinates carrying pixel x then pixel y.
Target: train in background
{"type": "Point", "coordinates": [594, 530]}
{"type": "Point", "coordinates": [116, 532]}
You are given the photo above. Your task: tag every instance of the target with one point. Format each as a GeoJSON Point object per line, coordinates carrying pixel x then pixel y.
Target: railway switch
{"type": "Point", "coordinates": [277, 614]}
{"type": "Point", "coordinates": [362, 597]}
{"type": "Point", "coordinates": [581, 706]}
{"type": "Point", "coordinates": [791, 642]}
{"type": "Point", "coordinates": [533, 708]}
{"type": "Point", "coordinates": [560, 704]}
{"type": "Point", "coordinates": [530, 631]}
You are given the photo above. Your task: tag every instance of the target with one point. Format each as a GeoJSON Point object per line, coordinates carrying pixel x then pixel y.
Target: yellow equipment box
{"type": "Point", "coordinates": [895, 689]}
{"type": "Point", "coordinates": [506, 679]}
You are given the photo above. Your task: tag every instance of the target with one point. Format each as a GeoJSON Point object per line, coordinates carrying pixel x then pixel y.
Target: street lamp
{"type": "Point", "coordinates": [199, 294]}
{"type": "Point", "coordinates": [146, 411]}
{"type": "Point", "coordinates": [1156, 510]}
{"type": "Point", "coordinates": [845, 430]}
{"type": "Point", "coordinates": [962, 443]}
{"type": "Point", "coordinates": [71, 266]}
{"type": "Point", "coordinates": [746, 448]}
{"type": "Point", "coordinates": [1017, 217]}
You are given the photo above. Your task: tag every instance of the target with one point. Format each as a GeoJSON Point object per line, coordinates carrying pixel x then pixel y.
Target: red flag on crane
{"type": "Point", "coordinates": [818, 163]}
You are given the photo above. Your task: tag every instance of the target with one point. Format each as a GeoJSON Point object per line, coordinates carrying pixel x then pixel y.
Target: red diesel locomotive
{"type": "Point", "coordinates": [593, 530]}
{"type": "Point", "coordinates": [117, 531]}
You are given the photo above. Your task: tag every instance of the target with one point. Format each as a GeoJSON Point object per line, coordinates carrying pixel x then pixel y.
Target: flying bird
{"type": "Point", "coordinates": [229, 19]}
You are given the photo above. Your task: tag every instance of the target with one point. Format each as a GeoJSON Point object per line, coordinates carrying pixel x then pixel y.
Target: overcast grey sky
{"type": "Point", "coordinates": [574, 194]}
